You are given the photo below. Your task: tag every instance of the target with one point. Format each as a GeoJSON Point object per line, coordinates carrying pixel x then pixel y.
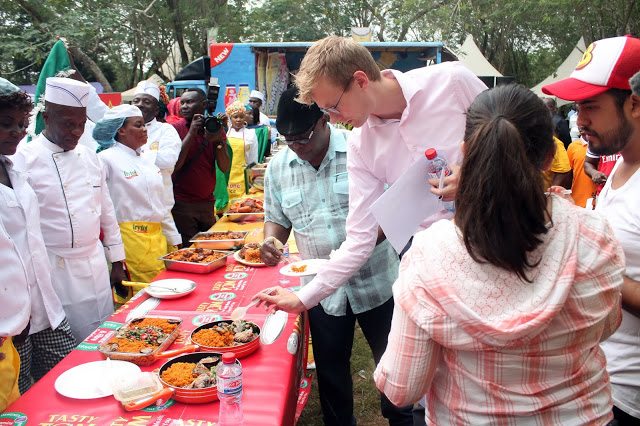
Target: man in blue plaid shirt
{"type": "Point", "coordinates": [306, 190]}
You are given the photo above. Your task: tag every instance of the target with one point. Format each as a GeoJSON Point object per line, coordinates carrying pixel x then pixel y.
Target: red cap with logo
{"type": "Point", "coordinates": [606, 64]}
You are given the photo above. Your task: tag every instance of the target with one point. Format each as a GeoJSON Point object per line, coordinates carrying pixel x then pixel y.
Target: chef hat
{"type": "Point", "coordinates": [148, 88]}
{"type": "Point", "coordinates": [256, 94]}
{"type": "Point", "coordinates": [122, 111]}
{"type": "Point", "coordinates": [65, 91]}
{"type": "Point", "coordinates": [105, 131]}
{"type": "Point", "coordinates": [7, 87]}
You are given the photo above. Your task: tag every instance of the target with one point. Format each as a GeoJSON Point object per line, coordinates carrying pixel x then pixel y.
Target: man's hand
{"type": "Point", "coordinates": [599, 178]}
{"type": "Point", "coordinates": [117, 276]}
{"type": "Point", "coordinates": [450, 185]}
{"type": "Point", "coordinates": [280, 298]}
{"type": "Point", "coordinates": [218, 138]}
{"type": "Point", "coordinates": [197, 124]}
{"type": "Point", "coordinates": [269, 254]}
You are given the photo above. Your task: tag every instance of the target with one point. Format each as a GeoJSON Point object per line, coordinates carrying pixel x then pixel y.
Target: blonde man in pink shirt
{"type": "Point", "coordinates": [397, 116]}
{"type": "Point", "coordinates": [500, 312]}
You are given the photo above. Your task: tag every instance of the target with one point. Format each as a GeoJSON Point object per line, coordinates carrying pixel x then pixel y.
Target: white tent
{"type": "Point", "coordinates": [563, 71]}
{"type": "Point", "coordinates": [472, 58]}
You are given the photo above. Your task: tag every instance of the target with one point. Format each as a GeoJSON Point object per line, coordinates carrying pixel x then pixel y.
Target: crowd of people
{"type": "Point", "coordinates": [520, 307]}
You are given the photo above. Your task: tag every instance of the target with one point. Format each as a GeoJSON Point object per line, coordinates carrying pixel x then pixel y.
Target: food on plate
{"type": "Point", "coordinates": [220, 236]}
{"type": "Point", "coordinates": [142, 335]}
{"type": "Point", "coordinates": [190, 375]}
{"type": "Point", "coordinates": [225, 334]}
{"type": "Point", "coordinates": [299, 268]}
{"type": "Point", "coordinates": [251, 253]}
{"type": "Point", "coordinates": [196, 255]}
{"type": "Point", "coordinates": [247, 205]}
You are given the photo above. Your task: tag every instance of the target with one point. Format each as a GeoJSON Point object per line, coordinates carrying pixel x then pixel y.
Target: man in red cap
{"type": "Point", "coordinates": [609, 119]}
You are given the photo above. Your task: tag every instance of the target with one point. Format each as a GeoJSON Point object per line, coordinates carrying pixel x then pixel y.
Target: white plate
{"type": "Point", "coordinates": [313, 267]}
{"type": "Point", "coordinates": [237, 257]}
{"type": "Point", "coordinates": [182, 288]}
{"type": "Point", "coordinates": [273, 326]}
{"type": "Point", "coordinates": [93, 379]}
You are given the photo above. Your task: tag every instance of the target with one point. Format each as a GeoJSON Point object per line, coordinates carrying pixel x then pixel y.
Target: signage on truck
{"type": "Point", "coordinates": [219, 52]}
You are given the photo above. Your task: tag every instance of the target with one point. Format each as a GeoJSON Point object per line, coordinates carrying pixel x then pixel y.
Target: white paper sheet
{"type": "Point", "coordinates": [406, 205]}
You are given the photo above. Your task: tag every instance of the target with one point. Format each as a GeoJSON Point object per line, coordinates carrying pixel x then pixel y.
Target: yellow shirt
{"type": "Point", "coordinates": [560, 164]}
{"type": "Point", "coordinates": [582, 187]}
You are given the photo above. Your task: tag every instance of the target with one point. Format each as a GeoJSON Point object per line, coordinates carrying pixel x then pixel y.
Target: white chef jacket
{"type": "Point", "coordinates": [75, 206]}
{"type": "Point", "coordinates": [136, 188]}
{"type": "Point", "coordinates": [162, 149]}
{"type": "Point", "coordinates": [264, 119]}
{"type": "Point", "coordinates": [87, 137]}
{"type": "Point", "coordinates": [21, 220]}
{"type": "Point", "coordinates": [73, 196]}
{"type": "Point", "coordinates": [14, 287]}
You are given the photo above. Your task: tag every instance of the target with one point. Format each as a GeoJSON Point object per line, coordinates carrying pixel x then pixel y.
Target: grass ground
{"type": "Point", "coordinates": [366, 400]}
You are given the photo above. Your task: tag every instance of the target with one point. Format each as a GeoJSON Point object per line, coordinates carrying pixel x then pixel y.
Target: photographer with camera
{"type": "Point", "coordinates": [204, 147]}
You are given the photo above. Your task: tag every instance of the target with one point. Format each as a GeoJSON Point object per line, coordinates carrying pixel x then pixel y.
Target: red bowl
{"type": "Point", "coordinates": [191, 396]}
{"type": "Point", "coordinates": [240, 350]}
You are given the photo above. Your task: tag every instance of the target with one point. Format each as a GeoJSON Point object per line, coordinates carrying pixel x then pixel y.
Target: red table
{"type": "Point", "coordinates": [272, 376]}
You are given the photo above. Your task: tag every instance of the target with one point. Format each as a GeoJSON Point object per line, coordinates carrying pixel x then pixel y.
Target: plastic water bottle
{"type": "Point", "coordinates": [435, 168]}
{"type": "Point", "coordinates": [229, 383]}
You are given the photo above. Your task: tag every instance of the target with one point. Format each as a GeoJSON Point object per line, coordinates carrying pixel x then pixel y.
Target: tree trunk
{"type": "Point", "coordinates": [176, 19]}
{"type": "Point", "coordinates": [80, 56]}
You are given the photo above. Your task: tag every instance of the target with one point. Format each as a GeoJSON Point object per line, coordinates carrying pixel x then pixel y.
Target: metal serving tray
{"type": "Point", "coordinates": [194, 267]}
{"type": "Point", "coordinates": [140, 358]}
{"type": "Point", "coordinates": [219, 244]}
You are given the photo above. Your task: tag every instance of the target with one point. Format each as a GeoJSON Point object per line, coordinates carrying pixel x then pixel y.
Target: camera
{"type": "Point", "coordinates": [212, 124]}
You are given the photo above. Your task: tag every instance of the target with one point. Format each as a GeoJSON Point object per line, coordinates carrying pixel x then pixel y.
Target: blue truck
{"type": "Point", "coordinates": [232, 70]}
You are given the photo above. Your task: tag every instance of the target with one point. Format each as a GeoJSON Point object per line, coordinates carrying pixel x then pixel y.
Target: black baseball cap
{"type": "Point", "coordinates": [293, 117]}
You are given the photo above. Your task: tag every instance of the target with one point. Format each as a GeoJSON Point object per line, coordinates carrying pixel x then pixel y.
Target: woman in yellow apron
{"type": "Point", "coordinates": [136, 190]}
{"type": "Point", "coordinates": [244, 145]}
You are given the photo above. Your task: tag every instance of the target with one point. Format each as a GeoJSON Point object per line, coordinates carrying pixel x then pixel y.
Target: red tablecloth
{"type": "Point", "coordinates": [272, 376]}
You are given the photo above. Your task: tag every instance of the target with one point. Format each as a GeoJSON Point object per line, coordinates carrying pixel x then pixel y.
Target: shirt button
{"type": "Point", "coordinates": [328, 226]}
{"type": "Point", "coordinates": [323, 200]}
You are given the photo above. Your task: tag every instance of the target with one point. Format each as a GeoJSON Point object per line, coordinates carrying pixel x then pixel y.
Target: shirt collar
{"type": "Point", "coordinates": [151, 123]}
{"type": "Point", "coordinates": [6, 160]}
{"type": "Point", "coordinates": [409, 90]}
{"type": "Point", "coordinates": [50, 145]}
{"type": "Point", "coordinates": [337, 143]}
{"type": "Point", "coordinates": [127, 150]}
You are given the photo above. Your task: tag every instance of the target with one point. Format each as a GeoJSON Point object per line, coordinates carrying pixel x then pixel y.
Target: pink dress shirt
{"type": "Point", "coordinates": [488, 348]}
{"type": "Point", "coordinates": [381, 150]}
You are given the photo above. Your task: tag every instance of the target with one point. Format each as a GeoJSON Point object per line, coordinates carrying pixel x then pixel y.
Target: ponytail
{"type": "Point", "coordinates": [500, 204]}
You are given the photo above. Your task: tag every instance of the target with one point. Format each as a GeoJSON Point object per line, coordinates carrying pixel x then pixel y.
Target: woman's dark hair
{"type": "Point", "coordinates": [17, 100]}
{"type": "Point", "coordinates": [500, 204]}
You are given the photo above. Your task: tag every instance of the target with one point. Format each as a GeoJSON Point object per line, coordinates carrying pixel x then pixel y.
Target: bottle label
{"type": "Point", "coordinates": [230, 386]}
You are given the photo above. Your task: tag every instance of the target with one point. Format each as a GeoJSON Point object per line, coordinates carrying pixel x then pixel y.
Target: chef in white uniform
{"type": "Point", "coordinates": [49, 338]}
{"type": "Point", "coordinates": [136, 188]}
{"type": "Point", "coordinates": [75, 206]}
{"type": "Point", "coordinates": [163, 142]}
{"type": "Point", "coordinates": [15, 290]}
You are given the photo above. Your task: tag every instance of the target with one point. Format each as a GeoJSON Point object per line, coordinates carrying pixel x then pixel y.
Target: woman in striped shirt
{"type": "Point", "coordinates": [500, 312]}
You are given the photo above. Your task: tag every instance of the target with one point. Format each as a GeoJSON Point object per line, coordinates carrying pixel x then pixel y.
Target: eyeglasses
{"type": "Point", "coordinates": [334, 109]}
{"type": "Point", "coordinates": [301, 141]}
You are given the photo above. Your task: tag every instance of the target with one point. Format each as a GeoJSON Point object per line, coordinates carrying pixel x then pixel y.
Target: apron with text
{"type": "Point", "coordinates": [144, 243]}
{"type": "Point", "coordinates": [236, 186]}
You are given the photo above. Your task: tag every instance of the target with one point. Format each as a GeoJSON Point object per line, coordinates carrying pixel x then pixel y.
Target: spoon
{"type": "Point", "coordinates": [240, 312]}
